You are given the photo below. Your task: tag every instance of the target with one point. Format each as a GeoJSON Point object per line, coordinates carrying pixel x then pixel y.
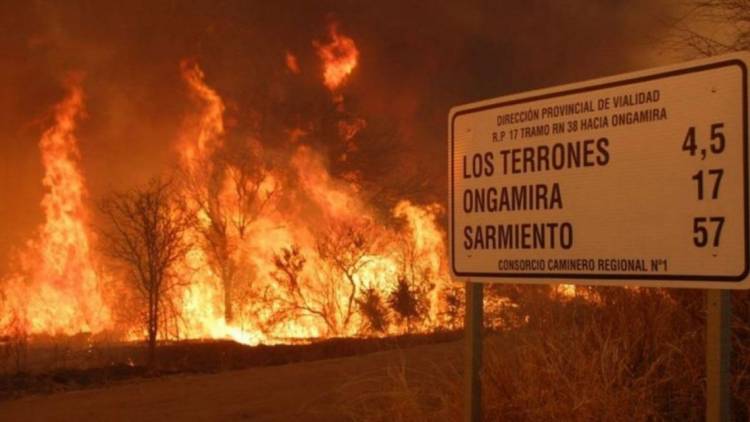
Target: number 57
{"type": "Point", "coordinates": [700, 231]}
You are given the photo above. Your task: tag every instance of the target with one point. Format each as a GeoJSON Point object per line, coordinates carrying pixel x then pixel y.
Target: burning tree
{"type": "Point", "coordinates": [229, 204]}
{"type": "Point", "coordinates": [145, 233]}
{"type": "Point", "coordinates": [329, 287]}
{"type": "Point", "coordinates": [345, 248]}
{"type": "Point", "coordinates": [227, 186]}
{"type": "Point", "coordinates": [292, 301]}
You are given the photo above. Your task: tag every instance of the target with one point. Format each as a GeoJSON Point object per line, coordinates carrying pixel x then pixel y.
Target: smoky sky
{"type": "Point", "coordinates": [417, 59]}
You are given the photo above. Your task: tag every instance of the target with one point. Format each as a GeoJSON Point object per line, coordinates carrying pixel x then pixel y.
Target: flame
{"type": "Point", "coordinates": [291, 63]}
{"type": "Point", "coordinates": [428, 245]}
{"type": "Point", "coordinates": [57, 290]}
{"type": "Point", "coordinates": [200, 305]}
{"type": "Point", "coordinates": [348, 129]}
{"type": "Point", "coordinates": [280, 253]}
{"type": "Point", "coordinates": [204, 134]}
{"type": "Point", "coordinates": [340, 56]}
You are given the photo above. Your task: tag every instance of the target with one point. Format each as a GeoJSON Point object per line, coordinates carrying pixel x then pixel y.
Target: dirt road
{"type": "Point", "coordinates": [311, 391]}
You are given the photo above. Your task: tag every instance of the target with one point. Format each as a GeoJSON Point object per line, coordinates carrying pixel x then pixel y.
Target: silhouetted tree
{"type": "Point", "coordinates": [345, 247]}
{"type": "Point", "coordinates": [145, 233]}
{"type": "Point", "coordinates": [405, 302]}
{"type": "Point", "coordinates": [294, 301]}
{"type": "Point", "coordinates": [230, 195]}
{"type": "Point", "coordinates": [697, 27]}
{"type": "Point", "coordinates": [331, 290]}
{"type": "Point", "coordinates": [374, 311]}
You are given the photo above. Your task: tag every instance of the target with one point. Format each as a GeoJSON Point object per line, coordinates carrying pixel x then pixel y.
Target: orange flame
{"type": "Point", "coordinates": [203, 134]}
{"type": "Point", "coordinates": [324, 299]}
{"type": "Point", "coordinates": [300, 264]}
{"type": "Point", "coordinates": [291, 63]}
{"type": "Point", "coordinates": [58, 291]}
{"type": "Point", "coordinates": [339, 56]}
{"type": "Point", "coordinates": [201, 307]}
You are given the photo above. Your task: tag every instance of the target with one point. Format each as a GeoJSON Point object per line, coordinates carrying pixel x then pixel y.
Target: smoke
{"type": "Point", "coordinates": [414, 63]}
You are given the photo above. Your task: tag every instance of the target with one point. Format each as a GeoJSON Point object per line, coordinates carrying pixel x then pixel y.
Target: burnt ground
{"type": "Point", "coordinates": [195, 357]}
{"type": "Point", "coordinates": [283, 382]}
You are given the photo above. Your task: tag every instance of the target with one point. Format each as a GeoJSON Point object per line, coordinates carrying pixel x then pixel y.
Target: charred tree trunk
{"type": "Point", "coordinates": [226, 271]}
{"type": "Point", "coordinates": [228, 311]}
{"type": "Point", "coordinates": [153, 328]}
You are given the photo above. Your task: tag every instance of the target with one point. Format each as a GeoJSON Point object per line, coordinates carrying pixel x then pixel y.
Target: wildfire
{"type": "Point", "coordinates": [339, 56]}
{"type": "Point", "coordinates": [57, 290]}
{"type": "Point", "coordinates": [278, 253]}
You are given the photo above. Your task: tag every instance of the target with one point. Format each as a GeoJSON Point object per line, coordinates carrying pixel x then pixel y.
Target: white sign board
{"type": "Point", "coordinates": [638, 179]}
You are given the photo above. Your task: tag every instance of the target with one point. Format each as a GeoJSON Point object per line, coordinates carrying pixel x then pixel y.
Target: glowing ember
{"type": "Point", "coordinates": [291, 63]}
{"type": "Point", "coordinates": [339, 56]}
{"type": "Point", "coordinates": [348, 129]}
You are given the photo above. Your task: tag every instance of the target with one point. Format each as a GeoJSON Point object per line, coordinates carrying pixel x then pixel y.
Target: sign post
{"type": "Point", "coordinates": [473, 352]}
{"type": "Point", "coordinates": [639, 179]}
{"type": "Point", "coordinates": [718, 355]}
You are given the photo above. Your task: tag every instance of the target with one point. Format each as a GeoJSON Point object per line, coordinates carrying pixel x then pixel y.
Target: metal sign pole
{"type": "Point", "coordinates": [473, 352]}
{"type": "Point", "coordinates": [718, 354]}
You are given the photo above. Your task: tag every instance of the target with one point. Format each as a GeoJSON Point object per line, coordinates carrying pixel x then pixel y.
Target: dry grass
{"type": "Point", "coordinates": [633, 359]}
{"type": "Point", "coordinates": [618, 355]}
{"type": "Point", "coordinates": [70, 363]}
{"type": "Point", "coordinates": [404, 393]}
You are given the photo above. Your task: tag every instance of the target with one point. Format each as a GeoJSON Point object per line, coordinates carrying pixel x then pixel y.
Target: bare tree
{"type": "Point", "coordinates": [330, 292]}
{"type": "Point", "coordinates": [299, 298]}
{"type": "Point", "coordinates": [345, 247]}
{"type": "Point", "coordinates": [145, 233]}
{"type": "Point", "coordinates": [711, 27]}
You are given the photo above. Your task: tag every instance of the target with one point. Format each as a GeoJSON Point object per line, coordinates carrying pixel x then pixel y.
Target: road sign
{"type": "Point", "coordinates": [637, 179]}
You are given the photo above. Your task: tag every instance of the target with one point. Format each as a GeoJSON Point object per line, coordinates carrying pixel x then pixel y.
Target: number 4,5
{"type": "Point", "coordinates": [718, 140]}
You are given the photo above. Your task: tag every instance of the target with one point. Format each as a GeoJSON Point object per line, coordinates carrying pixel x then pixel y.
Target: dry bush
{"type": "Point", "coordinates": [374, 312]}
{"type": "Point", "coordinates": [14, 346]}
{"type": "Point", "coordinates": [407, 303]}
{"type": "Point", "coordinates": [453, 314]}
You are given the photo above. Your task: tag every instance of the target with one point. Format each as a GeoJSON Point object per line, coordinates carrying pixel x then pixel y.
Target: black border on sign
{"type": "Point", "coordinates": [710, 66]}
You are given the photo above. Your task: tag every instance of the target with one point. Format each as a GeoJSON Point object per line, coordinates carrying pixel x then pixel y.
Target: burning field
{"type": "Point", "coordinates": [241, 240]}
